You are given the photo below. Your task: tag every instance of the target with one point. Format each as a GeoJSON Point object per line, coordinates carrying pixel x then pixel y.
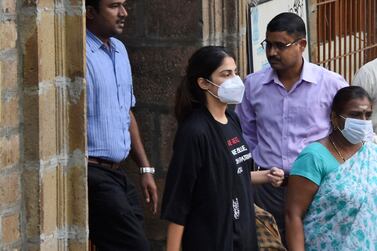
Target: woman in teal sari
{"type": "Point", "coordinates": [332, 190]}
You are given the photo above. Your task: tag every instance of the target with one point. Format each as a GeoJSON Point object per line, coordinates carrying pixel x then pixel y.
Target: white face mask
{"type": "Point", "coordinates": [231, 91]}
{"type": "Point", "coordinates": [357, 130]}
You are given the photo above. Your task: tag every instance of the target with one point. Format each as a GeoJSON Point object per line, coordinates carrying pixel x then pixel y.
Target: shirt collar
{"type": "Point", "coordinates": [306, 75]}
{"type": "Point", "coordinates": [270, 76]}
{"type": "Point", "coordinates": [95, 43]}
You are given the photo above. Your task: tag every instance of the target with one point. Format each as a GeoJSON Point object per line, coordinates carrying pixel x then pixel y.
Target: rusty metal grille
{"type": "Point", "coordinates": [346, 35]}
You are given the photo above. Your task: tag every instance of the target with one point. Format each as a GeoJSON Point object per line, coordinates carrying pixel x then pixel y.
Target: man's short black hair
{"type": "Point", "coordinates": [288, 22]}
{"type": "Point", "coordinates": [93, 3]}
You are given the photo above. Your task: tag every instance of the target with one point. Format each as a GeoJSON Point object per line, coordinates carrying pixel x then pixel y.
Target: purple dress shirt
{"type": "Point", "coordinates": [277, 124]}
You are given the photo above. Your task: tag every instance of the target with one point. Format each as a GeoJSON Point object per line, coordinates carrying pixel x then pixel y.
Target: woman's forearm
{"type": "Point", "coordinates": [274, 176]}
{"type": "Point", "coordinates": [294, 233]}
{"type": "Point", "coordinates": [259, 177]}
{"type": "Point", "coordinates": [174, 237]}
{"type": "Point", "coordinates": [298, 199]}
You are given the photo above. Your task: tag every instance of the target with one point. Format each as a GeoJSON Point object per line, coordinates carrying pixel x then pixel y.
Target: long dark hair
{"type": "Point", "coordinates": [201, 65]}
{"type": "Point", "coordinates": [346, 94]}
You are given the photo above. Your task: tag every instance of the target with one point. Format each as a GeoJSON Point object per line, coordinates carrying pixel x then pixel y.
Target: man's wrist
{"type": "Point", "coordinates": [146, 169]}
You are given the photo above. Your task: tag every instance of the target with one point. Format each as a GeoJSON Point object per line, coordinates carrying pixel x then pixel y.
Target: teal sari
{"type": "Point", "coordinates": [343, 213]}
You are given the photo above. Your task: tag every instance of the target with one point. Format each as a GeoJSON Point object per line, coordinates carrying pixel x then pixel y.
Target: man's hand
{"type": "Point", "coordinates": [149, 190]}
{"type": "Point", "coordinates": [138, 154]}
{"type": "Point", "coordinates": [275, 176]}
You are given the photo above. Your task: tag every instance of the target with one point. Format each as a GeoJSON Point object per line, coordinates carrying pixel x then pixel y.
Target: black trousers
{"type": "Point", "coordinates": [115, 214]}
{"type": "Point", "coordinates": [272, 199]}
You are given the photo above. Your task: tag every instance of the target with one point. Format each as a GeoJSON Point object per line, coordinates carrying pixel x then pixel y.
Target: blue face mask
{"type": "Point", "coordinates": [357, 130]}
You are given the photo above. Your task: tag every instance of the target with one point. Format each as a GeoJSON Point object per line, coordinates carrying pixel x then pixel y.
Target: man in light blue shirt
{"type": "Point", "coordinates": [115, 216]}
{"type": "Point", "coordinates": [286, 106]}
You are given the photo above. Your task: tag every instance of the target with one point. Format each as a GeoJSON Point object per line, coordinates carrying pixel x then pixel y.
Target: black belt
{"type": "Point", "coordinates": [103, 162]}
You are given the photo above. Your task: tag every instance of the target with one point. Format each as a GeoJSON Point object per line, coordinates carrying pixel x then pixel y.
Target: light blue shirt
{"type": "Point", "coordinates": [109, 98]}
{"type": "Point", "coordinates": [277, 124]}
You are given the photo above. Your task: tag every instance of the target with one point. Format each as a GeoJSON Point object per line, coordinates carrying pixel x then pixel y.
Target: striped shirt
{"type": "Point", "coordinates": [109, 98]}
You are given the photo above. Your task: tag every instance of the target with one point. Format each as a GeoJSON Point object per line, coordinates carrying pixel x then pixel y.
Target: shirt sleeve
{"type": "Point", "coordinates": [367, 80]}
{"type": "Point", "coordinates": [309, 165]}
{"type": "Point", "coordinates": [133, 99]}
{"type": "Point", "coordinates": [246, 114]}
{"type": "Point", "coordinates": [128, 69]}
{"type": "Point", "coordinates": [183, 172]}
{"type": "Point", "coordinates": [89, 88]}
{"type": "Point", "coordinates": [343, 83]}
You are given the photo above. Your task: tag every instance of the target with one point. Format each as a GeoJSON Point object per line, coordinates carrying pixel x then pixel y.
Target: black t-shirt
{"type": "Point", "coordinates": [241, 201]}
{"type": "Point", "coordinates": [208, 187]}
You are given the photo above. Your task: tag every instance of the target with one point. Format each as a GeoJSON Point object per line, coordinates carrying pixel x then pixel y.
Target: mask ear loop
{"type": "Point", "coordinates": [333, 121]}
{"type": "Point", "coordinates": [209, 81]}
{"type": "Point", "coordinates": [340, 116]}
{"type": "Point", "coordinates": [213, 94]}
{"type": "Point", "coordinates": [333, 126]}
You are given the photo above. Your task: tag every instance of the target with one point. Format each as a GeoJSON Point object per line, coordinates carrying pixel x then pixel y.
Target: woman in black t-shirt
{"type": "Point", "coordinates": [208, 197]}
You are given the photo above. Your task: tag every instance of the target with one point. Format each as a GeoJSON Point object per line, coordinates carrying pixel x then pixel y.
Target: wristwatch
{"type": "Point", "coordinates": [147, 170]}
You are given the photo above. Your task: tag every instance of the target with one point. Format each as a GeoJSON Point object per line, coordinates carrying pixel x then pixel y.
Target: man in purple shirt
{"type": "Point", "coordinates": [286, 106]}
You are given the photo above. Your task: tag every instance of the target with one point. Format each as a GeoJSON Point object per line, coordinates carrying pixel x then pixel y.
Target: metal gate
{"type": "Point", "coordinates": [346, 35]}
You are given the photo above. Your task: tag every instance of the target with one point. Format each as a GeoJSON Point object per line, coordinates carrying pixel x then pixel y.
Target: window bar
{"type": "Point", "coordinates": [349, 11]}
{"type": "Point", "coordinates": [340, 35]}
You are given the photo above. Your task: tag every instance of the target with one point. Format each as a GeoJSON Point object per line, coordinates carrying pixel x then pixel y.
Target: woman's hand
{"type": "Point", "coordinates": [275, 176]}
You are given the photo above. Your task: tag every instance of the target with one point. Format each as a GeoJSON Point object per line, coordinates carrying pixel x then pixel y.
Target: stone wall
{"type": "Point", "coordinates": [161, 35]}
{"type": "Point", "coordinates": [42, 126]}
{"type": "Point", "coordinates": [10, 169]}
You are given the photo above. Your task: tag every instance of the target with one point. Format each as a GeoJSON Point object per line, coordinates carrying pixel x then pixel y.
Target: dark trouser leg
{"type": "Point", "coordinates": [272, 199]}
{"type": "Point", "coordinates": [115, 215]}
